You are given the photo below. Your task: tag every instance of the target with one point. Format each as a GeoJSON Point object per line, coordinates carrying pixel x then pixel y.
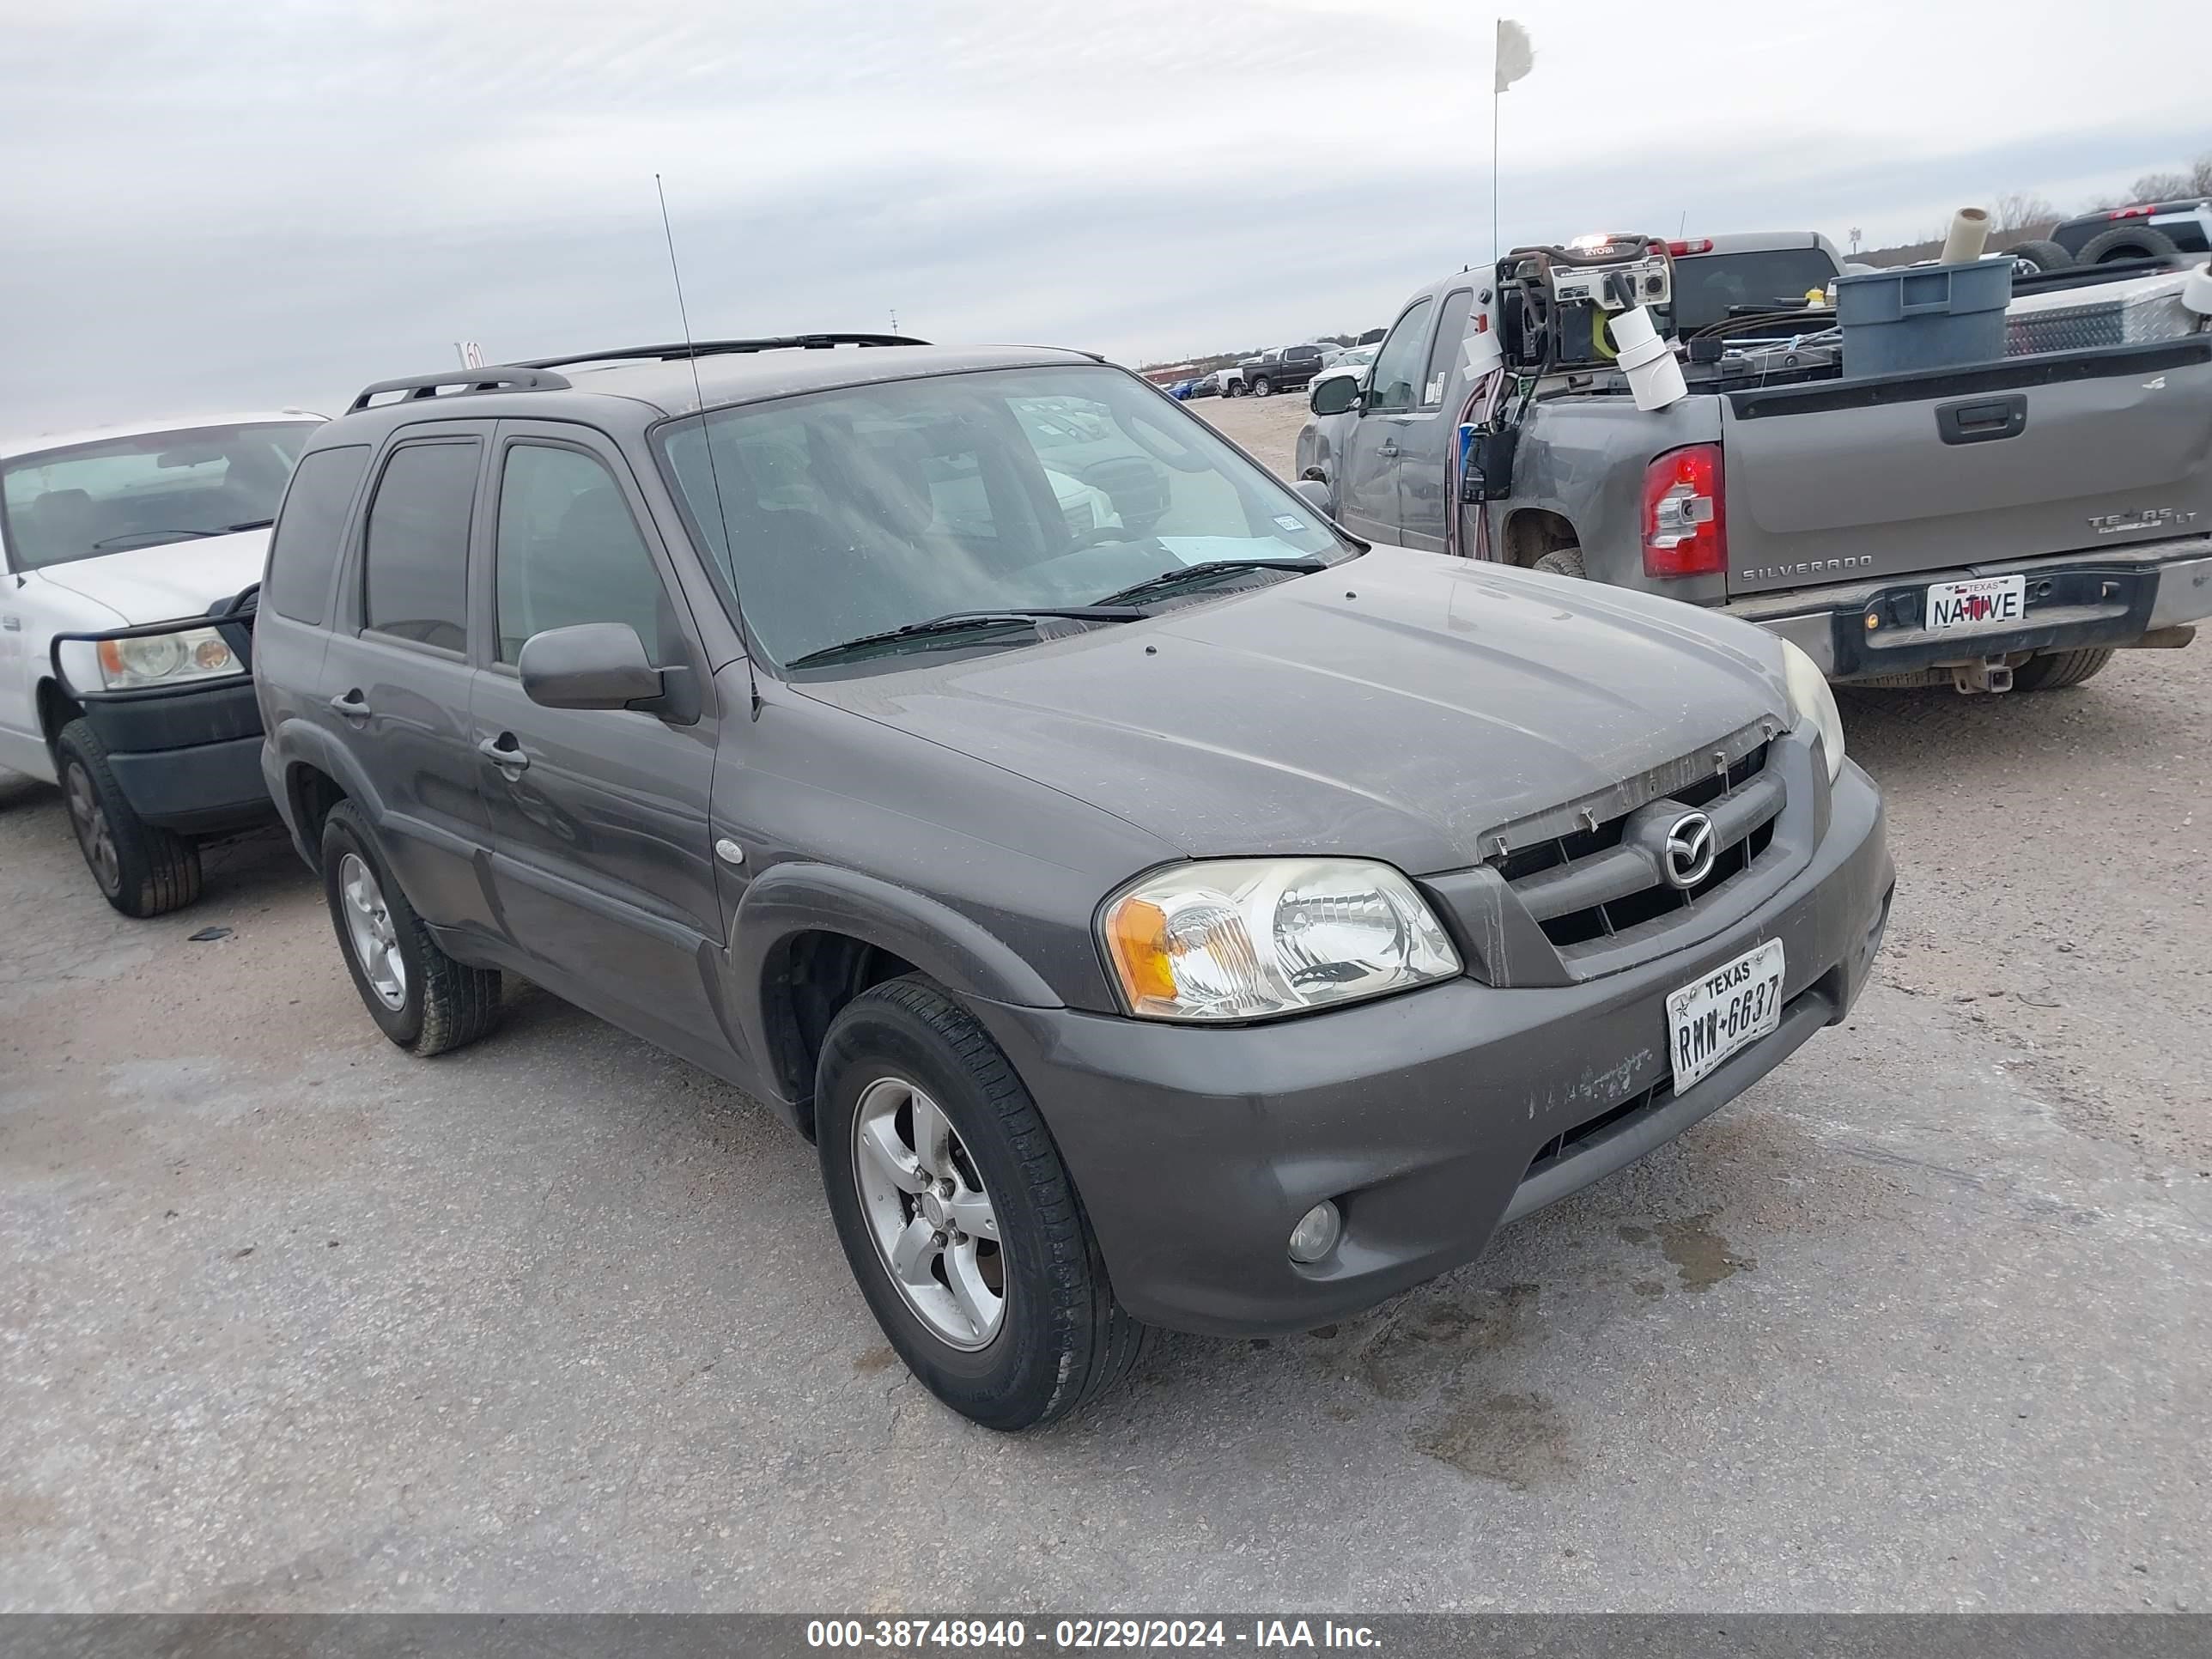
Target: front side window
{"type": "Point", "coordinates": [569, 551]}
{"type": "Point", "coordinates": [305, 549]}
{"type": "Point", "coordinates": [85, 501]}
{"type": "Point", "coordinates": [416, 549]}
{"type": "Point", "coordinates": [842, 514]}
{"type": "Point", "coordinates": [1396, 382]}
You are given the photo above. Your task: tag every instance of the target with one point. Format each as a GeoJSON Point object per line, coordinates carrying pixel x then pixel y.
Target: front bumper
{"type": "Point", "coordinates": [187, 759]}
{"type": "Point", "coordinates": [2074, 602]}
{"type": "Point", "coordinates": [1430, 1118]}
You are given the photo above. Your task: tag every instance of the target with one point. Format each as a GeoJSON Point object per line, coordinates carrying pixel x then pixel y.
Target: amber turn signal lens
{"type": "Point", "coordinates": [1137, 937]}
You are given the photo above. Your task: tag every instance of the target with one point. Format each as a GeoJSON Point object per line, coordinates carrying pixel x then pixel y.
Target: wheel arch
{"type": "Point", "coordinates": [1533, 531]}
{"type": "Point", "coordinates": [808, 937]}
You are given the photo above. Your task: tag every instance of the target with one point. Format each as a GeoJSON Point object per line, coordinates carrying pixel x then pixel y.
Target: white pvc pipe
{"type": "Point", "coordinates": [1969, 236]}
{"type": "Point", "coordinates": [1654, 376]}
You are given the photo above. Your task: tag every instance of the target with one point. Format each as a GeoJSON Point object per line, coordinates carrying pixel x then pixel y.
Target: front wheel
{"type": "Point", "coordinates": [957, 1215]}
{"type": "Point", "coordinates": [143, 870]}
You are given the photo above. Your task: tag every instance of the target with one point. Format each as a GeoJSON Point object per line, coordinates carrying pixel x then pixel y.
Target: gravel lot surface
{"type": "Point", "coordinates": [290, 1320]}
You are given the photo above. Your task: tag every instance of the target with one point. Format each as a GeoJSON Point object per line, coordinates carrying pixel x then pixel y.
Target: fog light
{"type": "Point", "coordinates": [1316, 1233]}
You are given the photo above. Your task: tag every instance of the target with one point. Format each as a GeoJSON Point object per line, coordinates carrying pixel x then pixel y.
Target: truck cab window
{"type": "Point", "coordinates": [1398, 365]}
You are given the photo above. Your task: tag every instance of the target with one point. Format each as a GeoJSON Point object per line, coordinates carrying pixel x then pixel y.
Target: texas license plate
{"type": "Point", "coordinates": [1984, 602]}
{"type": "Point", "coordinates": [1729, 1009]}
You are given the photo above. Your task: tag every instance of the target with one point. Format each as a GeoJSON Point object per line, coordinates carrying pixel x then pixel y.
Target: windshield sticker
{"type": "Point", "coordinates": [1284, 521]}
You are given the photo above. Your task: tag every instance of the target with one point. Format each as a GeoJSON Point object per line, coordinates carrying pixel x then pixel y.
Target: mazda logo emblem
{"type": "Point", "coordinates": [1687, 857]}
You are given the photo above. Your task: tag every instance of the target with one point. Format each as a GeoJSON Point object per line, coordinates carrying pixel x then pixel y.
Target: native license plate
{"type": "Point", "coordinates": [1730, 1008]}
{"type": "Point", "coordinates": [1984, 602]}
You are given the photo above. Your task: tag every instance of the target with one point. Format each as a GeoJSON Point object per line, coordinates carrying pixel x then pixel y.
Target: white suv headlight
{"type": "Point", "coordinates": [1243, 938]}
{"type": "Point", "coordinates": [1810, 699]}
{"type": "Point", "coordinates": [139, 660]}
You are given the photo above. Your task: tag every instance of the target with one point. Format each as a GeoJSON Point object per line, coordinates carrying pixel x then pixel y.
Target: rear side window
{"type": "Point", "coordinates": [1451, 330]}
{"type": "Point", "coordinates": [569, 551]}
{"type": "Point", "coordinates": [306, 548]}
{"type": "Point", "coordinates": [416, 551]}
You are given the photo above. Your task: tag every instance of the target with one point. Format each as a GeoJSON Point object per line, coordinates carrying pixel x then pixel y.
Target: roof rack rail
{"type": "Point", "coordinates": [680, 350]}
{"type": "Point", "coordinates": [522, 377]}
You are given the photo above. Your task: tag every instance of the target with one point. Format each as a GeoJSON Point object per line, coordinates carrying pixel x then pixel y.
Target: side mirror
{"type": "Point", "coordinates": [1336, 394]}
{"type": "Point", "coordinates": [591, 665]}
{"type": "Point", "coordinates": [1314, 493]}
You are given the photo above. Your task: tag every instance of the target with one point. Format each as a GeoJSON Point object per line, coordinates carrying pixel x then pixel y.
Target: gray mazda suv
{"type": "Point", "coordinates": [1160, 908]}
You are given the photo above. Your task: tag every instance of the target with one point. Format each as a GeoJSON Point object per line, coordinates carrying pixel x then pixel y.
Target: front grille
{"type": "Point", "coordinates": [1586, 885]}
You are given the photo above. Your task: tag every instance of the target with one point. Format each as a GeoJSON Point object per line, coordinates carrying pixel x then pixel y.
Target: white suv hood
{"type": "Point", "coordinates": [174, 579]}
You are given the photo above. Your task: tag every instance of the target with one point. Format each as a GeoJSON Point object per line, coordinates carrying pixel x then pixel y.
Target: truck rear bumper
{"type": "Point", "coordinates": [2075, 601]}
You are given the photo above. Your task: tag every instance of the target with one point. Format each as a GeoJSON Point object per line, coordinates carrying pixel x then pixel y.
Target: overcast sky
{"type": "Point", "coordinates": [271, 202]}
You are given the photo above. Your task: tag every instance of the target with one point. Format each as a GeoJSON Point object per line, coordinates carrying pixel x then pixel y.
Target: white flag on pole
{"type": "Point", "coordinates": [1515, 57]}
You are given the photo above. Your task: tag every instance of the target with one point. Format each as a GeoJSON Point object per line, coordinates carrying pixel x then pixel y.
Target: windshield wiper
{"type": "Point", "coordinates": [140, 535]}
{"type": "Point", "coordinates": [1167, 581]}
{"type": "Point", "coordinates": [962, 622]}
{"type": "Point", "coordinates": [251, 524]}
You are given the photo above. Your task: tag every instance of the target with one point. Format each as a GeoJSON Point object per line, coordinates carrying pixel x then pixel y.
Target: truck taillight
{"type": "Point", "coordinates": [1684, 526]}
{"type": "Point", "coordinates": [2131, 213]}
{"type": "Point", "coordinates": [1702, 245]}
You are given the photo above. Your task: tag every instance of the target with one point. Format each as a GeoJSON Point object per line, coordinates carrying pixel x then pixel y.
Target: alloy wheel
{"type": "Point", "coordinates": [929, 1213]}
{"type": "Point", "coordinates": [94, 836]}
{"type": "Point", "coordinates": [369, 929]}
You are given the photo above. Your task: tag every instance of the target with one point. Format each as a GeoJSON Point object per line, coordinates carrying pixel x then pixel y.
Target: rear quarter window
{"type": "Point", "coordinates": [303, 554]}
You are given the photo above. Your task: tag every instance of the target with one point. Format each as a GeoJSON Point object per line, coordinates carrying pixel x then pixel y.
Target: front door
{"type": "Point", "coordinates": [603, 862]}
{"type": "Point", "coordinates": [1426, 434]}
{"type": "Point", "coordinates": [1367, 500]}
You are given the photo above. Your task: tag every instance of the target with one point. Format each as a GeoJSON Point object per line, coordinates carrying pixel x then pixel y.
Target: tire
{"type": "Point", "coordinates": [1056, 1339]}
{"type": "Point", "coordinates": [2060, 670]}
{"type": "Point", "coordinates": [1262, 387]}
{"type": "Point", "coordinates": [434, 1003]}
{"type": "Point", "coordinates": [1563, 562]}
{"type": "Point", "coordinates": [2127, 242]}
{"type": "Point", "coordinates": [141, 869]}
{"type": "Point", "coordinates": [2043, 254]}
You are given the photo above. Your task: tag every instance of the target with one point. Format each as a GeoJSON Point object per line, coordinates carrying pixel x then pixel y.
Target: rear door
{"type": "Point", "coordinates": [1367, 492]}
{"type": "Point", "coordinates": [601, 859]}
{"type": "Point", "coordinates": [1848, 480]}
{"type": "Point", "coordinates": [1424, 440]}
{"type": "Point", "coordinates": [396, 677]}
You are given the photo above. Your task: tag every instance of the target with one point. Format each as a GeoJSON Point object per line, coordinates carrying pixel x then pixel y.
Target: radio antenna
{"type": "Point", "coordinates": [707, 440]}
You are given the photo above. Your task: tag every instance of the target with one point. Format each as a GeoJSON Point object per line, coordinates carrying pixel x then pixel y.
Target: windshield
{"type": "Point", "coordinates": [1707, 284]}
{"type": "Point", "coordinates": [844, 514]}
{"type": "Point", "coordinates": [88, 499]}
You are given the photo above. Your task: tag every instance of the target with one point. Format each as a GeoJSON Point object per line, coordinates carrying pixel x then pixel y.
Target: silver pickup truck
{"type": "Point", "coordinates": [2007, 525]}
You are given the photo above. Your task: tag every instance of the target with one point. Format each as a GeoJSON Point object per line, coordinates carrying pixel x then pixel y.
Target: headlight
{"type": "Point", "coordinates": [1810, 699]}
{"type": "Point", "coordinates": [1241, 938]}
{"type": "Point", "coordinates": [144, 659]}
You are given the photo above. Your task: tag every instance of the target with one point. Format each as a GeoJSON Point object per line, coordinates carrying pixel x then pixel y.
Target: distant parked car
{"type": "Point", "coordinates": [2149, 230]}
{"type": "Point", "coordinates": [1230, 382]}
{"type": "Point", "coordinates": [1352, 361]}
{"type": "Point", "coordinates": [1285, 368]}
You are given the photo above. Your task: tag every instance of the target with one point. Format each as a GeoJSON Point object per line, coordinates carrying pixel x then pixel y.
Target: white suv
{"type": "Point", "coordinates": [127, 560]}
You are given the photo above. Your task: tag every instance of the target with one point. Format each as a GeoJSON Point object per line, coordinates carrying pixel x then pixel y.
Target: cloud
{"type": "Point", "coordinates": [277, 201]}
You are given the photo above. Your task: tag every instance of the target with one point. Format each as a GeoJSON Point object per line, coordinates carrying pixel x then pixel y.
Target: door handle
{"type": "Point", "coordinates": [504, 752]}
{"type": "Point", "coordinates": [1388, 449]}
{"type": "Point", "coordinates": [352, 705]}
{"type": "Point", "coordinates": [1980, 420]}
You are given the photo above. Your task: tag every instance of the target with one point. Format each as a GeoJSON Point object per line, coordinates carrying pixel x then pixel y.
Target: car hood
{"type": "Point", "coordinates": [160, 584]}
{"type": "Point", "coordinates": [1395, 707]}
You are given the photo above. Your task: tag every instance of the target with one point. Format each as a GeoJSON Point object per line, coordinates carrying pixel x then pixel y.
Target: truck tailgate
{"type": "Point", "coordinates": [1843, 480]}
